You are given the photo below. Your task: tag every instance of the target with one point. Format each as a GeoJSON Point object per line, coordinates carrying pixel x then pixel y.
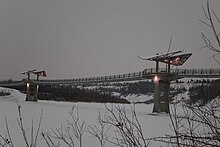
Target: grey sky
{"type": "Point", "coordinates": [79, 38]}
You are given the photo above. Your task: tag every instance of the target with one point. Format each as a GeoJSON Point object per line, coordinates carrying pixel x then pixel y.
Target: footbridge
{"type": "Point", "coordinates": [142, 75]}
{"type": "Point", "coordinates": [149, 73]}
{"type": "Point", "coordinates": [161, 77]}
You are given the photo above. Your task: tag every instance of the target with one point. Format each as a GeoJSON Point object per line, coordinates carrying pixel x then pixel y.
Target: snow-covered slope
{"type": "Point", "coordinates": [135, 98]}
{"type": "Point", "coordinates": [15, 95]}
{"type": "Point", "coordinates": [115, 88]}
{"type": "Point", "coordinates": [56, 113]}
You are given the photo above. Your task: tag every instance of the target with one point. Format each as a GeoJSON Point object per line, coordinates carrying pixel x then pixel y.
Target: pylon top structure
{"type": "Point", "coordinates": [38, 73]}
{"type": "Point", "coordinates": [173, 58]}
{"type": "Point", "coordinates": [28, 73]}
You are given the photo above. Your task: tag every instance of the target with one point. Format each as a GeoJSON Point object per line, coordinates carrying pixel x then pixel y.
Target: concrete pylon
{"type": "Point", "coordinates": [28, 91]}
{"type": "Point", "coordinates": [32, 91]}
{"type": "Point", "coordinates": [36, 89]}
{"type": "Point", "coordinates": [161, 94]}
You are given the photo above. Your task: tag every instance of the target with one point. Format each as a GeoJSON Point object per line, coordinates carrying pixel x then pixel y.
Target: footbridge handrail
{"type": "Point", "coordinates": [210, 71]}
{"type": "Point", "coordinates": [111, 78]}
{"type": "Point", "coordinates": [146, 74]}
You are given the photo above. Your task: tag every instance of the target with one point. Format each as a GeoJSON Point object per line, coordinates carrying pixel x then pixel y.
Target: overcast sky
{"type": "Point", "coordinates": [80, 38]}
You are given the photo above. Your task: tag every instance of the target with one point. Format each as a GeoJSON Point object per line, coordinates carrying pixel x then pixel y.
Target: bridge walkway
{"type": "Point", "coordinates": [146, 74]}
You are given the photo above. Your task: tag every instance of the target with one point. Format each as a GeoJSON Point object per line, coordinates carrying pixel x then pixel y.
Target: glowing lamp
{"type": "Point", "coordinates": [156, 78]}
{"type": "Point", "coordinates": [28, 85]}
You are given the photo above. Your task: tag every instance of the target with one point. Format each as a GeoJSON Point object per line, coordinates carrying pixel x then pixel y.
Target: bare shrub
{"type": "Point", "coordinates": [100, 130]}
{"type": "Point", "coordinates": [127, 128]}
{"type": "Point", "coordinates": [30, 140]}
{"type": "Point", "coordinates": [212, 21]}
{"type": "Point", "coordinates": [74, 129]}
{"type": "Point", "coordinates": [199, 126]}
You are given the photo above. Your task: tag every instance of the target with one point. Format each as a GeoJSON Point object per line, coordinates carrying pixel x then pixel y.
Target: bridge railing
{"type": "Point", "coordinates": [211, 71]}
{"type": "Point", "coordinates": [111, 78]}
{"type": "Point", "coordinates": [147, 73]}
{"type": "Point", "coordinates": [198, 71]}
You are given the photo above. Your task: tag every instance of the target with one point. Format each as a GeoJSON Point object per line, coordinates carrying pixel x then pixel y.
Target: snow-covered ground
{"type": "Point", "coordinates": [135, 98]}
{"type": "Point", "coordinates": [56, 113]}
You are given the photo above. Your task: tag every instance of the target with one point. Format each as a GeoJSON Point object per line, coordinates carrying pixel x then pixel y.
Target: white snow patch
{"type": "Point", "coordinates": [56, 113]}
{"type": "Point", "coordinates": [135, 98]}
{"type": "Point", "coordinates": [15, 95]}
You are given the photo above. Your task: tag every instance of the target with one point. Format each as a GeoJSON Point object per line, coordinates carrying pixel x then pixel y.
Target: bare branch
{"type": "Point", "coordinates": [73, 130]}
{"type": "Point", "coordinates": [20, 123]}
{"type": "Point", "coordinates": [210, 17]}
{"type": "Point", "coordinates": [100, 130]}
{"type": "Point", "coordinates": [38, 128]}
{"type": "Point", "coordinates": [8, 132]}
{"type": "Point", "coordinates": [128, 129]}
{"type": "Point", "coordinates": [206, 23]}
{"type": "Point", "coordinates": [216, 16]}
{"type": "Point", "coordinates": [186, 127]}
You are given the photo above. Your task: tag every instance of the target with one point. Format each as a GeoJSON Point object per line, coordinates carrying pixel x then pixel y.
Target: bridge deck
{"type": "Point", "coordinates": [146, 74]}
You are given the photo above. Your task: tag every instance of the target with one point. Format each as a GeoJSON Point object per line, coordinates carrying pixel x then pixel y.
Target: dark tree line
{"type": "Point", "coordinates": [4, 93]}
{"type": "Point", "coordinates": [205, 92]}
{"type": "Point", "coordinates": [141, 87]}
{"type": "Point", "coordinates": [73, 94]}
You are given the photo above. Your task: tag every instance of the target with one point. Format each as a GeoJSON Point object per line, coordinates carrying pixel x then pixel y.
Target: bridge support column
{"type": "Point", "coordinates": [28, 92]}
{"type": "Point", "coordinates": [36, 88]}
{"type": "Point", "coordinates": [161, 94]}
{"type": "Point", "coordinates": [32, 92]}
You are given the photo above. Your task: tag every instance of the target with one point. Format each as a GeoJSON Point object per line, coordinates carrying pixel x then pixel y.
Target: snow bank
{"type": "Point", "coordinates": [56, 113]}
{"type": "Point", "coordinates": [15, 95]}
